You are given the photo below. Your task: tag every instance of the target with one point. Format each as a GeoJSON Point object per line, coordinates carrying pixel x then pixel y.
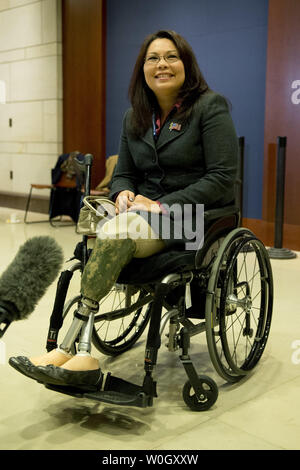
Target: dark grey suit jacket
{"type": "Point", "coordinates": [194, 165]}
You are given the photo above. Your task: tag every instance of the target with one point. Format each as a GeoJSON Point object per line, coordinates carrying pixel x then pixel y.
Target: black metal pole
{"type": "Point", "coordinates": [277, 251]}
{"type": "Point", "coordinates": [280, 186]}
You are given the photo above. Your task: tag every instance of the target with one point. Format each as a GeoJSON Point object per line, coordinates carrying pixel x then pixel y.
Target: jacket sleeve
{"type": "Point", "coordinates": [220, 150]}
{"type": "Point", "coordinates": [126, 174]}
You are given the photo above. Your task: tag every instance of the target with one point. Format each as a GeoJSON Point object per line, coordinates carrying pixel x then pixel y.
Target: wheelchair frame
{"type": "Point", "coordinates": [230, 292]}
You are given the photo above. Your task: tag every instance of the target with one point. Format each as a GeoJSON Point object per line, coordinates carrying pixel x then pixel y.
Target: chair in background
{"type": "Point", "coordinates": [103, 188]}
{"type": "Point", "coordinates": [32, 187]}
{"type": "Point", "coordinates": [65, 192]}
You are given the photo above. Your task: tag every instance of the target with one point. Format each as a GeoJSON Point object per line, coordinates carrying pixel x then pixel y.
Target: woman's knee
{"type": "Point", "coordinates": [135, 227]}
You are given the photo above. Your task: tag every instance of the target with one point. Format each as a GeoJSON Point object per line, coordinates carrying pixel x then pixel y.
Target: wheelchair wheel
{"type": "Point", "coordinates": [208, 398]}
{"type": "Point", "coordinates": [123, 316]}
{"type": "Point", "coordinates": [239, 305]}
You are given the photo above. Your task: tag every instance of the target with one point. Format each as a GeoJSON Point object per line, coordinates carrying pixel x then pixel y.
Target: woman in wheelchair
{"type": "Point", "coordinates": [178, 146]}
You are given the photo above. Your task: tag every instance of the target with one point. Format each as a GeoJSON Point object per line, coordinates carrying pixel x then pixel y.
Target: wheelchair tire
{"type": "Point", "coordinates": [116, 331]}
{"type": "Point", "coordinates": [239, 305]}
{"type": "Point", "coordinates": [207, 400]}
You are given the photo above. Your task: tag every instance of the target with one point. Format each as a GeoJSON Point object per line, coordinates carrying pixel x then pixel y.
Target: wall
{"type": "Point", "coordinates": [31, 74]}
{"type": "Point", "coordinates": [229, 39]}
{"type": "Point", "coordinates": [282, 118]}
{"type": "Point", "coordinates": [283, 105]}
{"type": "Point", "coordinates": [84, 80]}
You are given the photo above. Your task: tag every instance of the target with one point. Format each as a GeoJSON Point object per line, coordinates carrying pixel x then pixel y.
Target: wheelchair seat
{"type": "Point", "coordinates": [155, 267]}
{"type": "Point", "coordinates": [147, 270]}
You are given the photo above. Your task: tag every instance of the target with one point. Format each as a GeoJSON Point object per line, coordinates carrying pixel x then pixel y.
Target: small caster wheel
{"type": "Point", "coordinates": [206, 400]}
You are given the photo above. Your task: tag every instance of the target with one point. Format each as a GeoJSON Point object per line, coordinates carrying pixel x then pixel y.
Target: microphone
{"type": "Point", "coordinates": [26, 279]}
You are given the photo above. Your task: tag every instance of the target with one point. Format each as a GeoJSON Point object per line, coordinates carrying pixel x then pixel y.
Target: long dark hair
{"type": "Point", "coordinates": [143, 99]}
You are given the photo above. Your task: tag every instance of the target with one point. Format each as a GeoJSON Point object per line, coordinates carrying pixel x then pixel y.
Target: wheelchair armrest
{"type": "Point", "coordinates": [212, 214]}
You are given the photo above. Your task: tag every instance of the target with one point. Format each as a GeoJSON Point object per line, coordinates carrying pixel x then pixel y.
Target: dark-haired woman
{"type": "Point", "coordinates": [178, 147]}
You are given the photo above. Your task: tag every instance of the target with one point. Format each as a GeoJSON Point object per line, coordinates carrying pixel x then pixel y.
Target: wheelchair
{"type": "Point", "coordinates": [223, 290]}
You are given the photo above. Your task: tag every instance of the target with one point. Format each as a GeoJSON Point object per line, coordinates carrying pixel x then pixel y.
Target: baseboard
{"type": "Point", "coordinates": [18, 201]}
{"type": "Point", "coordinates": [266, 232]}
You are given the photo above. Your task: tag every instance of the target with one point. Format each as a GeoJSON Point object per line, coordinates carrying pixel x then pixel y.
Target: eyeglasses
{"type": "Point", "coordinates": [154, 59]}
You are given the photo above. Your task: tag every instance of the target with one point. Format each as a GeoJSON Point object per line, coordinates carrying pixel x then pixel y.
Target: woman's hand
{"type": "Point", "coordinates": [142, 203]}
{"type": "Point", "coordinates": [124, 201]}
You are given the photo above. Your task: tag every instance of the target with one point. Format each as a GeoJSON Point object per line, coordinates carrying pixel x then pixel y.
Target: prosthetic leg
{"type": "Point", "coordinates": [108, 258]}
{"type": "Point", "coordinates": [102, 270]}
{"type": "Point", "coordinates": [100, 273]}
{"type": "Point", "coordinates": [116, 390]}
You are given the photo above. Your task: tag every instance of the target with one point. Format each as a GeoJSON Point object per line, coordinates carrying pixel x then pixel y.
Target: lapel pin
{"type": "Point", "coordinates": [174, 126]}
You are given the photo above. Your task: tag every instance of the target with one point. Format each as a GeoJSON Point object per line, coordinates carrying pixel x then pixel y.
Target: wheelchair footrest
{"type": "Point", "coordinates": [116, 391]}
{"type": "Point", "coordinates": [117, 398]}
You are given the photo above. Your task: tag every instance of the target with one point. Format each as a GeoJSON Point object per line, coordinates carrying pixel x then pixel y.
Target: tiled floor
{"type": "Point", "coordinates": [261, 412]}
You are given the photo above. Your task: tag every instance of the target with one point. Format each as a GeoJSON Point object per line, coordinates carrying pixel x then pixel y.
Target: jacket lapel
{"type": "Point", "coordinates": [167, 134]}
{"type": "Point", "coordinates": [171, 130]}
{"type": "Point", "coordinates": [148, 138]}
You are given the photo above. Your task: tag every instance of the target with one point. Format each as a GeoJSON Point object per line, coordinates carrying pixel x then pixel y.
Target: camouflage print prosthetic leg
{"type": "Point", "coordinates": [104, 266]}
{"type": "Point", "coordinates": [108, 258]}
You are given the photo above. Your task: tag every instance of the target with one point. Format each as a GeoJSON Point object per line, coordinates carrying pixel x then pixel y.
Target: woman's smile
{"type": "Point", "coordinates": [164, 75]}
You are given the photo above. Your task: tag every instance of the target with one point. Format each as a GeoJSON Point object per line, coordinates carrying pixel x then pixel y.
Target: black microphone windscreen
{"type": "Point", "coordinates": [28, 276]}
